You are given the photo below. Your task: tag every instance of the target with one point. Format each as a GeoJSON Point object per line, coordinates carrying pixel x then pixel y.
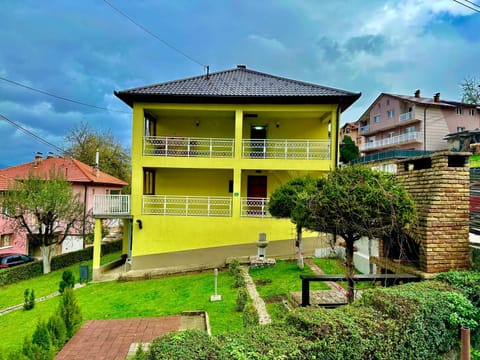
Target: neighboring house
{"type": "Point", "coordinates": [207, 153]}
{"type": "Point", "coordinates": [351, 129]}
{"type": "Point", "coordinates": [405, 122]}
{"type": "Point", "coordinates": [85, 179]}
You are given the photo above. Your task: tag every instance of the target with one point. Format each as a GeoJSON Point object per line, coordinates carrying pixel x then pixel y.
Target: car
{"type": "Point", "coordinates": [12, 259]}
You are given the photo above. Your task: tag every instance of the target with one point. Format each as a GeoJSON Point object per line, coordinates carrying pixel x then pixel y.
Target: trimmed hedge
{"type": "Point", "coordinates": [412, 321]}
{"type": "Point", "coordinates": [35, 268]}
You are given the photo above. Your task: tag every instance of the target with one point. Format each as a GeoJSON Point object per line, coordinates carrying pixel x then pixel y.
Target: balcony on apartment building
{"type": "Point", "coordinates": [176, 205]}
{"type": "Point", "coordinates": [415, 136]}
{"type": "Point", "coordinates": [402, 120]}
{"type": "Point", "coordinates": [295, 149]}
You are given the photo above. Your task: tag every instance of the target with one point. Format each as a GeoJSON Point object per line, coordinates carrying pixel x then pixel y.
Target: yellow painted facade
{"type": "Point", "coordinates": [225, 177]}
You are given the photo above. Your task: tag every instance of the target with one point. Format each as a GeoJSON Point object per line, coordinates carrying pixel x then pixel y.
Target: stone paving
{"type": "Point", "coordinates": [263, 316]}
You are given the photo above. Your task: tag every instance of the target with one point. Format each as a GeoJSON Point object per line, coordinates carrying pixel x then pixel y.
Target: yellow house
{"type": "Point", "coordinates": [207, 152]}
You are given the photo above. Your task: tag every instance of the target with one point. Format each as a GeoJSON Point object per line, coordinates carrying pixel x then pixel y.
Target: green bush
{"type": "Point", "coordinates": [234, 267]}
{"type": "Point", "coordinates": [41, 336]}
{"type": "Point", "coordinates": [57, 330]}
{"type": "Point", "coordinates": [250, 316]}
{"type": "Point", "coordinates": [239, 280]}
{"type": "Point", "coordinates": [29, 299]}
{"type": "Point", "coordinates": [184, 345]}
{"type": "Point", "coordinates": [70, 312]}
{"type": "Point", "coordinates": [68, 280]}
{"type": "Point", "coordinates": [21, 272]}
{"type": "Point", "coordinates": [475, 259]}
{"type": "Point", "coordinates": [242, 298]}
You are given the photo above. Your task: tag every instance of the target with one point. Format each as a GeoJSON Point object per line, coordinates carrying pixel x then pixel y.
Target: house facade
{"type": "Point", "coordinates": [351, 129]}
{"type": "Point", "coordinates": [401, 122]}
{"type": "Point", "coordinates": [208, 151]}
{"type": "Point", "coordinates": [86, 180]}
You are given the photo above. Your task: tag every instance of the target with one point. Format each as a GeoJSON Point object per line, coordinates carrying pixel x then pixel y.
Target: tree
{"type": "Point", "coordinates": [84, 142]}
{"type": "Point", "coordinates": [45, 208]}
{"type": "Point", "coordinates": [356, 201]}
{"type": "Point", "coordinates": [348, 150]}
{"type": "Point", "coordinates": [471, 91]}
{"type": "Point", "coordinates": [70, 312]}
{"type": "Point", "coordinates": [289, 201]}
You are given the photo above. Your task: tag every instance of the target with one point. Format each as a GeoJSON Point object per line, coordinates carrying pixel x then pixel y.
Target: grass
{"type": "Point", "coordinates": [43, 285]}
{"type": "Point", "coordinates": [334, 266]}
{"type": "Point", "coordinates": [146, 298]}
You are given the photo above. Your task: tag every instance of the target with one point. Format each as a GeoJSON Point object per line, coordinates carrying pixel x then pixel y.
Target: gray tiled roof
{"type": "Point", "coordinates": [239, 83]}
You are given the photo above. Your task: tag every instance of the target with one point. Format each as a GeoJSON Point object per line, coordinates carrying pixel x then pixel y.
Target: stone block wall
{"type": "Point", "coordinates": [439, 184]}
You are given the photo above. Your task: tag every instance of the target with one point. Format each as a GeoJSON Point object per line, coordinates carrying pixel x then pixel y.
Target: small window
{"type": "Point", "coordinates": [5, 240]}
{"type": "Point", "coordinates": [460, 129]}
{"type": "Point", "coordinates": [388, 102]}
{"type": "Point", "coordinates": [459, 111]}
{"type": "Point", "coordinates": [391, 113]}
{"type": "Point", "coordinates": [472, 112]}
{"type": "Point", "coordinates": [379, 105]}
{"type": "Point", "coordinates": [376, 118]}
{"type": "Point", "coordinates": [148, 182]}
{"type": "Point", "coordinates": [410, 129]}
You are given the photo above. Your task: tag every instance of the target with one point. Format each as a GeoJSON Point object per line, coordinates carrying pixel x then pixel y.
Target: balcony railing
{"type": "Point", "coordinates": [111, 205]}
{"type": "Point", "coordinates": [406, 116]}
{"type": "Point", "coordinates": [254, 207]}
{"type": "Point", "coordinates": [286, 149]}
{"type": "Point", "coordinates": [188, 147]}
{"type": "Point", "coordinates": [394, 140]}
{"type": "Point", "coordinates": [187, 205]}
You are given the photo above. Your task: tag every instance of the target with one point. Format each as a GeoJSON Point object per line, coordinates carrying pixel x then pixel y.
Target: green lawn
{"type": "Point", "coordinates": [145, 298]}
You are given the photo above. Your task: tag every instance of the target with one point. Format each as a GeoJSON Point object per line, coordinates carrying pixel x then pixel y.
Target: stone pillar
{"type": "Point", "coordinates": [439, 184]}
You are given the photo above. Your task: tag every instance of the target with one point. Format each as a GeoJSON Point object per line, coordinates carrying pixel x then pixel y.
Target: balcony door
{"type": "Point", "coordinates": [256, 193]}
{"type": "Point", "coordinates": [258, 136]}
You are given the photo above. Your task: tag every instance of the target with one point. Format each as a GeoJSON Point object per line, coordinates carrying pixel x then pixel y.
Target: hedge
{"type": "Point", "coordinates": [412, 321]}
{"type": "Point", "coordinates": [35, 268]}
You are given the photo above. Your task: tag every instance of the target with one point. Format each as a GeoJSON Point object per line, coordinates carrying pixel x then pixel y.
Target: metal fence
{"type": "Point", "coordinates": [286, 149]}
{"type": "Point", "coordinates": [187, 205]}
{"type": "Point", "coordinates": [188, 147]}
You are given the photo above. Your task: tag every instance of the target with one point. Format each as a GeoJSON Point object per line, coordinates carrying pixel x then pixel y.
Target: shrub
{"type": "Point", "coordinates": [68, 280]}
{"type": "Point", "coordinates": [188, 344]}
{"type": "Point", "coordinates": [57, 330]}
{"type": "Point", "coordinates": [242, 298]}
{"type": "Point", "coordinates": [70, 312]}
{"type": "Point", "coordinates": [29, 299]}
{"type": "Point", "coordinates": [239, 280]}
{"type": "Point", "coordinates": [41, 336]}
{"type": "Point", "coordinates": [234, 267]}
{"type": "Point", "coordinates": [250, 316]}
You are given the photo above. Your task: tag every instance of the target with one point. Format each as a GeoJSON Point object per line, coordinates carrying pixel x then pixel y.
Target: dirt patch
{"type": "Point", "coordinates": [275, 299]}
{"type": "Point", "coordinates": [262, 282]}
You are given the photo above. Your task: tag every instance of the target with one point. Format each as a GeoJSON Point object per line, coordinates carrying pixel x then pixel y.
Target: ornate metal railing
{"type": "Point", "coordinates": [175, 205]}
{"type": "Point", "coordinates": [111, 204]}
{"type": "Point", "coordinates": [188, 146]}
{"type": "Point", "coordinates": [394, 140]}
{"type": "Point", "coordinates": [286, 149]}
{"type": "Point", "coordinates": [254, 207]}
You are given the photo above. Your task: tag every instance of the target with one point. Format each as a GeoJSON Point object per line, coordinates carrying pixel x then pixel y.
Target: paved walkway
{"type": "Point", "coordinates": [263, 316]}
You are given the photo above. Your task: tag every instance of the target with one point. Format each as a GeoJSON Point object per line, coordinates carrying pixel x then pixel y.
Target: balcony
{"type": "Point", "coordinates": [406, 116]}
{"type": "Point", "coordinates": [286, 149]}
{"type": "Point", "coordinates": [254, 207]}
{"type": "Point", "coordinates": [364, 129]}
{"type": "Point", "coordinates": [393, 141]}
{"type": "Point", "coordinates": [172, 205]}
{"type": "Point", "coordinates": [111, 205]}
{"type": "Point", "coordinates": [188, 147]}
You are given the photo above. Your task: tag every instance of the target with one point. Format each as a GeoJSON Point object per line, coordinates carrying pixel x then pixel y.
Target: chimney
{"type": "Point", "coordinates": [50, 155]}
{"type": "Point", "coordinates": [96, 168]}
{"type": "Point", "coordinates": [436, 97]}
{"type": "Point", "coordinates": [417, 93]}
{"type": "Point", "coordinates": [38, 158]}
{"type": "Point", "coordinates": [241, 66]}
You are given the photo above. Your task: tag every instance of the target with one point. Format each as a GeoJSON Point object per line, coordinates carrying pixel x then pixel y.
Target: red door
{"type": "Point", "coordinates": [256, 188]}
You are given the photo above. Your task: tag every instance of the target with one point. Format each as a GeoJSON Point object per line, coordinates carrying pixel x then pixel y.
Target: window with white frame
{"type": "Point", "coordinates": [376, 118]}
{"type": "Point", "coordinates": [390, 113]}
{"type": "Point", "coordinates": [410, 129]}
{"type": "Point", "coordinates": [472, 112]}
{"type": "Point", "coordinates": [5, 240]}
{"type": "Point", "coordinates": [459, 110]}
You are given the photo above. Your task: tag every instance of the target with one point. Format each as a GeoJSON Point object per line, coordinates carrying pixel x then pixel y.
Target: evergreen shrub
{"type": "Point", "coordinates": [68, 280]}
{"type": "Point", "coordinates": [29, 299]}
{"type": "Point", "coordinates": [242, 298]}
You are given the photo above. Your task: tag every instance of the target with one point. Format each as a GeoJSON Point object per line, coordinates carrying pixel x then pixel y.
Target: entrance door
{"type": "Point", "coordinates": [258, 136]}
{"type": "Point", "coordinates": [256, 193]}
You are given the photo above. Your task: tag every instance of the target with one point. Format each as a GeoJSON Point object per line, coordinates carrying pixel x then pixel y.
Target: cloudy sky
{"type": "Point", "coordinates": [84, 50]}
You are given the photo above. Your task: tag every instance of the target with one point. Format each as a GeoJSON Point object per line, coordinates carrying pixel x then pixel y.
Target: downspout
{"type": "Point", "coordinates": [84, 213]}
{"type": "Point", "coordinates": [425, 128]}
{"type": "Point", "coordinates": [337, 135]}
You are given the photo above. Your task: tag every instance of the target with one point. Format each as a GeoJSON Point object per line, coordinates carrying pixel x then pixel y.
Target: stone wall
{"type": "Point", "coordinates": [439, 183]}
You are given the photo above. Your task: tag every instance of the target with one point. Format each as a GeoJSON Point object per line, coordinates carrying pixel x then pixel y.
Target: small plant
{"type": "Point", "coordinates": [70, 312]}
{"type": "Point", "coordinates": [234, 268]}
{"type": "Point", "coordinates": [239, 281]}
{"type": "Point", "coordinates": [57, 330]}
{"type": "Point", "coordinates": [250, 315]}
{"type": "Point", "coordinates": [29, 299]}
{"type": "Point", "coordinates": [242, 298]}
{"type": "Point", "coordinates": [41, 336]}
{"type": "Point", "coordinates": [68, 280]}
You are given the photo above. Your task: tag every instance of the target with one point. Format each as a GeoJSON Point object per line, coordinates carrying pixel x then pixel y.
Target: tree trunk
{"type": "Point", "coordinates": [299, 247]}
{"type": "Point", "coordinates": [350, 269]}
{"type": "Point", "coordinates": [47, 252]}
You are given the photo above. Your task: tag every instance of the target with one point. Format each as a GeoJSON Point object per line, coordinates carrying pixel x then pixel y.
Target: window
{"type": "Point", "coordinates": [388, 102]}
{"type": "Point", "coordinates": [148, 182]}
{"type": "Point", "coordinates": [471, 112]}
{"type": "Point", "coordinates": [410, 129]}
{"type": "Point", "coordinates": [150, 125]}
{"type": "Point", "coordinates": [391, 113]}
{"type": "Point", "coordinates": [371, 139]}
{"type": "Point", "coordinates": [460, 128]}
{"type": "Point", "coordinates": [376, 118]}
{"type": "Point", "coordinates": [459, 111]}
{"type": "Point", "coordinates": [5, 240]}
{"type": "Point", "coordinates": [379, 105]}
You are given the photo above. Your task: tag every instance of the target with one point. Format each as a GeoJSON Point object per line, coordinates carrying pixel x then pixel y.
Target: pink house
{"type": "Point", "coordinates": [86, 180]}
{"type": "Point", "coordinates": [413, 122]}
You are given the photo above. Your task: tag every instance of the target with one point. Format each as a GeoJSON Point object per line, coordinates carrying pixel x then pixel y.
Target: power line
{"type": "Point", "coordinates": [468, 6]}
{"type": "Point", "coordinates": [60, 97]}
{"type": "Point", "coordinates": [29, 133]}
{"type": "Point", "coordinates": [155, 35]}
